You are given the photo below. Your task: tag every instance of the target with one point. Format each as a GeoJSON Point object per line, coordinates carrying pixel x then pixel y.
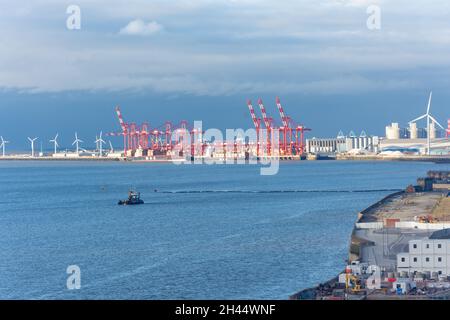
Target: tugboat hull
{"type": "Point", "coordinates": [134, 198]}
{"type": "Point", "coordinates": [129, 203]}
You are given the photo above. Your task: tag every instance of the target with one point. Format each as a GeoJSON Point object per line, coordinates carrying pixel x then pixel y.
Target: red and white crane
{"type": "Point", "coordinates": [144, 135]}
{"type": "Point", "coordinates": [285, 129]}
{"type": "Point", "coordinates": [256, 123]}
{"type": "Point", "coordinates": [447, 133]}
{"type": "Point", "coordinates": [298, 129]}
{"type": "Point", "coordinates": [124, 127]}
{"type": "Point", "coordinates": [292, 134]}
{"type": "Point", "coordinates": [284, 119]}
{"type": "Point", "coordinates": [168, 135]}
{"type": "Point", "coordinates": [268, 125]}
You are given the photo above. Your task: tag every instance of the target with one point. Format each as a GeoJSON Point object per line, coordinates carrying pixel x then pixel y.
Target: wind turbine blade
{"type": "Point", "coordinates": [74, 142]}
{"type": "Point", "coordinates": [419, 118]}
{"type": "Point", "coordinates": [429, 103]}
{"type": "Point", "coordinates": [435, 121]}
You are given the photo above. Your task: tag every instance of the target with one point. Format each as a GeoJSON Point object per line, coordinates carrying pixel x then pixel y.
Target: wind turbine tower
{"type": "Point", "coordinates": [3, 144]}
{"type": "Point", "coordinates": [55, 142]}
{"type": "Point", "coordinates": [430, 120]}
{"type": "Point", "coordinates": [32, 145]}
{"type": "Point", "coordinates": [99, 141]}
{"type": "Point", "coordinates": [77, 142]}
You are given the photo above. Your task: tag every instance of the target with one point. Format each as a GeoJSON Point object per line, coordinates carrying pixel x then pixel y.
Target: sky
{"type": "Point", "coordinates": [202, 59]}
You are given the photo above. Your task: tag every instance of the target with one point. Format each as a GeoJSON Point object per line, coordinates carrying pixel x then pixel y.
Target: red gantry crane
{"type": "Point", "coordinates": [124, 127]}
{"type": "Point", "coordinates": [159, 140]}
{"type": "Point", "coordinates": [298, 129]}
{"type": "Point", "coordinates": [292, 135]}
{"type": "Point", "coordinates": [268, 125]}
{"type": "Point", "coordinates": [143, 135]}
{"type": "Point", "coordinates": [285, 129]}
{"type": "Point", "coordinates": [256, 123]}
{"type": "Point", "coordinates": [447, 133]}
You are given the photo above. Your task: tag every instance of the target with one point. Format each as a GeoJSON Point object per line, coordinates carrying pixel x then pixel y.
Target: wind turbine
{"type": "Point", "coordinates": [32, 145]}
{"type": "Point", "coordinates": [55, 142]}
{"type": "Point", "coordinates": [77, 142]}
{"type": "Point", "coordinates": [111, 149]}
{"type": "Point", "coordinates": [3, 144]}
{"type": "Point", "coordinates": [99, 141]}
{"type": "Point", "coordinates": [430, 119]}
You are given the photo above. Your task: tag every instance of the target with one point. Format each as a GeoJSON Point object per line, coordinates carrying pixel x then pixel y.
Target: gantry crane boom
{"type": "Point", "coordinates": [253, 114]}
{"type": "Point", "coordinates": [284, 119]}
{"type": "Point", "coordinates": [264, 114]}
{"type": "Point", "coordinates": [121, 122]}
{"type": "Point", "coordinates": [256, 123]}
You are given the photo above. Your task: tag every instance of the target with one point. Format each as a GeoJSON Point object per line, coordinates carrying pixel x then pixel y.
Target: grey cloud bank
{"type": "Point", "coordinates": [225, 47]}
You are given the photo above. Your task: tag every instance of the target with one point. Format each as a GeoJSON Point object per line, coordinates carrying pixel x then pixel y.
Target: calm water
{"type": "Point", "coordinates": [241, 237]}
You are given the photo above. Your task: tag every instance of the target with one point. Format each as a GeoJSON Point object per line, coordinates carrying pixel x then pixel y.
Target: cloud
{"type": "Point", "coordinates": [222, 47]}
{"type": "Point", "coordinates": [141, 28]}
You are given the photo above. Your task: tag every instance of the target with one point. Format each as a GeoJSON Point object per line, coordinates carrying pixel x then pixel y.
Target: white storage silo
{"type": "Point", "coordinates": [393, 131]}
{"type": "Point", "coordinates": [413, 130]}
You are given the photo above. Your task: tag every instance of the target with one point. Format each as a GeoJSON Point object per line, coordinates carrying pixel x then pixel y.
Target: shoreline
{"type": "Point", "coordinates": [434, 159]}
{"type": "Point", "coordinates": [397, 214]}
{"type": "Point", "coordinates": [353, 250]}
{"type": "Point", "coordinates": [310, 293]}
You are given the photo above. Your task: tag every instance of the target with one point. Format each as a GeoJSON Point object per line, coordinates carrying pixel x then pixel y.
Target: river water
{"type": "Point", "coordinates": [204, 232]}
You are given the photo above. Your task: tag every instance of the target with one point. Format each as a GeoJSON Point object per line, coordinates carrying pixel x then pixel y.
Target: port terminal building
{"type": "Point", "coordinates": [343, 144]}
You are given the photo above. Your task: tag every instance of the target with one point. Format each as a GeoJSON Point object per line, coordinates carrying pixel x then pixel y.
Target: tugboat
{"type": "Point", "coordinates": [133, 198]}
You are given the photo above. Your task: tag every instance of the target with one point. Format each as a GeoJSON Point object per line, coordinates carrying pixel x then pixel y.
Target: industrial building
{"type": "Point", "coordinates": [395, 132]}
{"type": "Point", "coordinates": [343, 144]}
{"type": "Point", "coordinates": [439, 146]}
{"type": "Point", "coordinates": [429, 255]}
{"type": "Point", "coordinates": [414, 140]}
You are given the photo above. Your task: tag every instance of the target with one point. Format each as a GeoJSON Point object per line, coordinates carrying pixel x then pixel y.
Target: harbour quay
{"type": "Point", "coordinates": [399, 248]}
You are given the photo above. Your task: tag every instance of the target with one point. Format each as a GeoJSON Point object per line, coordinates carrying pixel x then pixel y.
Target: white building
{"type": "Point", "coordinates": [427, 255]}
{"type": "Point", "coordinates": [415, 146]}
{"type": "Point", "coordinates": [342, 144]}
